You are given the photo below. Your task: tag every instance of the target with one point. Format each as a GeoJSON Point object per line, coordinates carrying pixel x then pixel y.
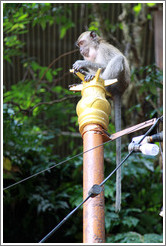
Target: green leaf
{"type": "Point", "coordinates": [94, 26]}
{"type": "Point", "coordinates": [35, 66]}
{"type": "Point", "coordinates": [149, 165]}
{"type": "Point", "coordinates": [127, 237]}
{"type": "Point", "coordinates": [63, 32]}
{"type": "Point", "coordinates": [149, 16]}
{"type": "Point", "coordinates": [42, 71]}
{"type": "Point", "coordinates": [55, 71]}
{"type": "Point", "coordinates": [43, 24]}
{"type": "Point", "coordinates": [121, 26]}
{"type": "Point", "coordinates": [49, 76]}
{"type": "Point", "coordinates": [47, 4]}
{"type": "Point", "coordinates": [110, 218]}
{"type": "Point", "coordinates": [137, 8]}
{"type": "Point", "coordinates": [57, 89]}
{"type": "Point", "coordinates": [153, 238]}
{"type": "Point", "coordinates": [42, 90]}
{"type": "Point", "coordinates": [76, 197]}
{"type": "Point", "coordinates": [151, 4]}
{"type": "Point", "coordinates": [65, 27]}
{"type": "Point", "coordinates": [109, 190]}
{"type": "Point", "coordinates": [7, 165]}
{"type": "Point", "coordinates": [130, 221]}
{"type": "Point", "coordinates": [22, 17]}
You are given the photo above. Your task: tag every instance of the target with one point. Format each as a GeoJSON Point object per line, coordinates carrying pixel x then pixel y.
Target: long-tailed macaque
{"type": "Point", "coordinates": [98, 53]}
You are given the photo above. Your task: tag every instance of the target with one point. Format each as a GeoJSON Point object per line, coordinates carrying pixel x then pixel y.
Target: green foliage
{"type": "Point", "coordinates": [18, 16]}
{"type": "Point", "coordinates": [94, 26]}
{"type": "Point", "coordinates": [151, 4]}
{"type": "Point", "coordinates": [113, 28]}
{"type": "Point", "coordinates": [152, 79]}
{"type": "Point", "coordinates": [137, 8]}
{"type": "Point", "coordinates": [40, 71]}
{"type": "Point", "coordinates": [28, 149]}
{"type": "Point", "coordinates": [140, 189]}
{"type": "Point", "coordinates": [149, 16]}
{"type": "Point", "coordinates": [134, 237]}
{"type": "Point", "coordinates": [24, 142]}
{"type": "Point", "coordinates": [21, 93]}
{"type": "Point", "coordinates": [153, 238]}
{"type": "Point", "coordinates": [149, 81]}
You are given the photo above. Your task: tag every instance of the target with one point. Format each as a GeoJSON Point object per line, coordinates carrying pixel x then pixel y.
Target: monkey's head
{"type": "Point", "coordinates": [86, 42]}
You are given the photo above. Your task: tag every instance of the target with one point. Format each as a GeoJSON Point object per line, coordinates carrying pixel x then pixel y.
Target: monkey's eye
{"type": "Point", "coordinates": [81, 43]}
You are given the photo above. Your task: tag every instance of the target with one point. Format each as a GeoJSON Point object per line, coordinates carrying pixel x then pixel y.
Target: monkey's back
{"type": "Point", "coordinates": [107, 53]}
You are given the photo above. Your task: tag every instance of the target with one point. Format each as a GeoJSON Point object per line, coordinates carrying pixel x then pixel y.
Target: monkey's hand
{"type": "Point", "coordinates": [78, 65]}
{"type": "Point", "coordinates": [88, 65]}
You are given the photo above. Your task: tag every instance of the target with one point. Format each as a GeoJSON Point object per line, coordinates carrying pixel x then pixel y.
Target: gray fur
{"type": "Point", "coordinates": [98, 53]}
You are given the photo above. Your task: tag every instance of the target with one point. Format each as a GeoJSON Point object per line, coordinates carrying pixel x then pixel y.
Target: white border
{"type": "Point", "coordinates": [163, 123]}
{"type": "Point", "coordinates": [1, 122]}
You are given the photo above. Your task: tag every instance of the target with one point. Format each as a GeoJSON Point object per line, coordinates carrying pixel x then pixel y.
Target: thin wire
{"type": "Point", "coordinates": [103, 182]}
{"type": "Point", "coordinates": [49, 168]}
{"type": "Point", "coordinates": [62, 162]}
{"type": "Point", "coordinates": [64, 220]}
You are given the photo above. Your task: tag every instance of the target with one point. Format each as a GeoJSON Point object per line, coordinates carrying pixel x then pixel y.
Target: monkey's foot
{"type": "Point", "coordinates": [72, 85]}
{"type": "Point", "coordinates": [88, 77]}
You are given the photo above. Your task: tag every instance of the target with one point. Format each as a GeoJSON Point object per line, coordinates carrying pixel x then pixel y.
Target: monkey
{"type": "Point", "coordinates": [98, 53]}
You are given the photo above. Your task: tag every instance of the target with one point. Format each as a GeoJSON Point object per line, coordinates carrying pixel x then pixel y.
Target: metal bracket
{"type": "Point", "coordinates": [129, 130]}
{"type": "Point", "coordinates": [95, 190]}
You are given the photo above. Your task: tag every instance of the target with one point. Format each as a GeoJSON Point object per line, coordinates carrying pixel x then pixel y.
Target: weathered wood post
{"type": "Point", "coordinates": [93, 112]}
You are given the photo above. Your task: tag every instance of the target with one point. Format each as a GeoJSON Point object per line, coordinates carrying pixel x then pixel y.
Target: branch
{"type": "Point", "coordinates": [57, 59]}
{"type": "Point", "coordinates": [15, 104]}
{"type": "Point", "coordinates": [62, 77]}
{"type": "Point", "coordinates": [24, 111]}
{"type": "Point", "coordinates": [54, 81]}
{"type": "Point", "coordinates": [30, 109]}
{"type": "Point", "coordinates": [29, 70]}
{"type": "Point", "coordinates": [55, 101]}
{"type": "Point", "coordinates": [70, 134]}
{"type": "Point", "coordinates": [49, 66]}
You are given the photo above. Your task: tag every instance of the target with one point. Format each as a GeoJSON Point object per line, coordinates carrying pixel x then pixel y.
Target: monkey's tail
{"type": "Point", "coordinates": [117, 112]}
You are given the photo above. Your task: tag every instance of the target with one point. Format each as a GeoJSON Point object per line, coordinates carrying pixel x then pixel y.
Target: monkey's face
{"type": "Point", "coordinates": [83, 47]}
{"type": "Point", "coordinates": [87, 45]}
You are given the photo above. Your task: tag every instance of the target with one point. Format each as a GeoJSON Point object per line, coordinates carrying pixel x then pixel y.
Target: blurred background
{"type": "Point", "coordinates": [40, 122]}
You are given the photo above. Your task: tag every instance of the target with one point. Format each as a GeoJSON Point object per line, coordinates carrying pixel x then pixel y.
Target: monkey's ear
{"type": "Point", "coordinates": [93, 34]}
{"type": "Point", "coordinates": [76, 44]}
